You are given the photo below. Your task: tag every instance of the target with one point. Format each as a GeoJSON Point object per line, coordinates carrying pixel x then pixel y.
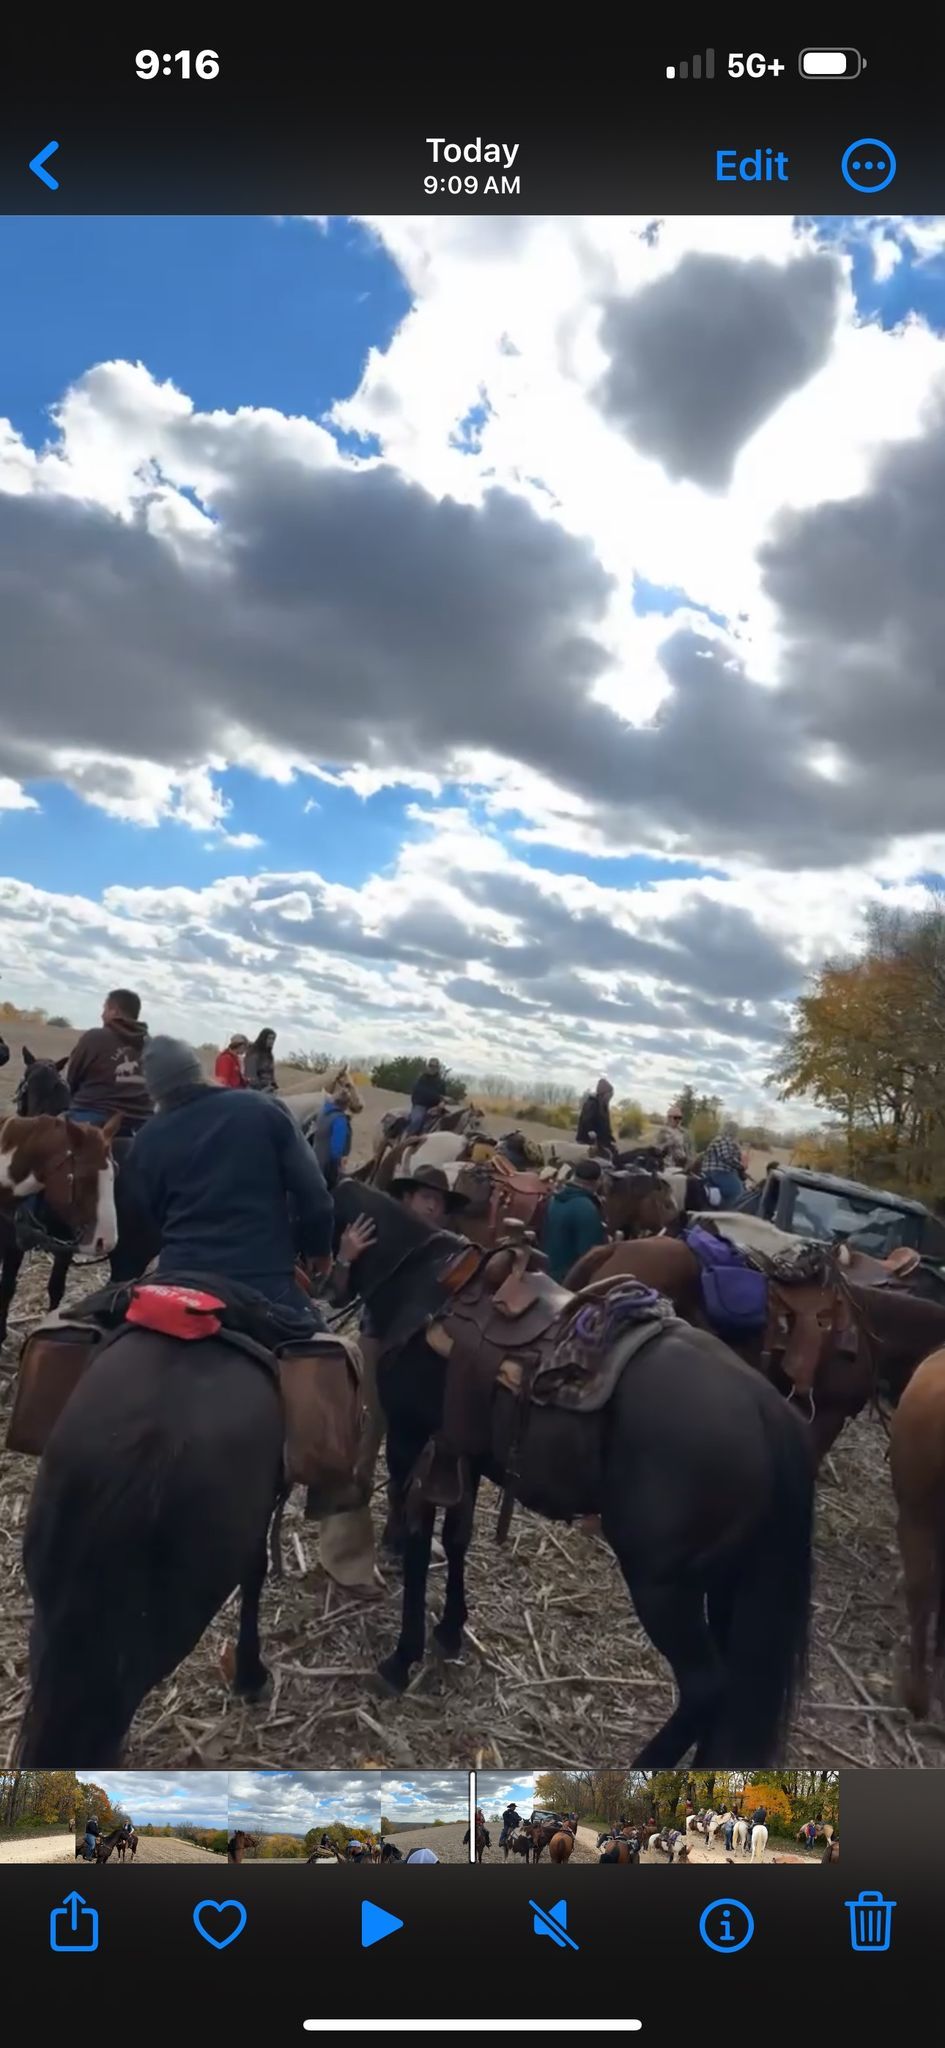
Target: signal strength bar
{"type": "Point", "coordinates": [693, 67]}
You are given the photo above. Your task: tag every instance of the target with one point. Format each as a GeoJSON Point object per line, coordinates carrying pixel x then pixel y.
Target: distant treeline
{"type": "Point", "coordinates": [32, 1802]}
{"type": "Point", "coordinates": [406, 1827]}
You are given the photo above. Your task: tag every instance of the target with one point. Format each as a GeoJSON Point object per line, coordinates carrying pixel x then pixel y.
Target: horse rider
{"type": "Point", "coordinates": [722, 1166]}
{"type": "Point", "coordinates": [330, 1137]}
{"type": "Point", "coordinates": [574, 1223]}
{"type": "Point", "coordinates": [511, 1822]}
{"type": "Point", "coordinates": [228, 1066]}
{"type": "Point", "coordinates": [105, 1074]}
{"type": "Point", "coordinates": [91, 1838]}
{"type": "Point", "coordinates": [427, 1194]}
{"type": "Point", "coordinates": [757, 1820]}
{"type": "Point", "coordinates": [217, 1170]}
{"type": "Point", "coordinates": [427, 1093]}
{"type": "Point", "coordinates": [673, 1141]}
{"type": "Point", "coordinates": [259, 1067]}
{"type": "Point", "coordinates": [594, 1127]}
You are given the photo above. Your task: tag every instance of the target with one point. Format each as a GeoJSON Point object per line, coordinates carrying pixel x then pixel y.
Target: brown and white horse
{"type": "Point", "coordinates": [68, 1167]}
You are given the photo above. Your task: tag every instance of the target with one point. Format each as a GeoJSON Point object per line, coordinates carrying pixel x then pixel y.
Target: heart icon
{"type": "Point", "coordinates": [208, 1906]}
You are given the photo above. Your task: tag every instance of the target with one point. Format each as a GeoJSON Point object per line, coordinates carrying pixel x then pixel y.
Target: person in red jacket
{"type": "Point", "coordinates": [228, 1068]}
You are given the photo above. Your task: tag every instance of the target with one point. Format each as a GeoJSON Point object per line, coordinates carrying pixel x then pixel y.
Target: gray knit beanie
{"type": "Point", "coordinates": [169, 1065]}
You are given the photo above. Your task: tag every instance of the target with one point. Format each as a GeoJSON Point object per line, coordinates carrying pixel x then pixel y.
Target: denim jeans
{"type": "Point", "coordinates": [729, 1185]}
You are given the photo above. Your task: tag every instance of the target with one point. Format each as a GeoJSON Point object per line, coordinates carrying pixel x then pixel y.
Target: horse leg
{"type": "Point", "coordinates": [920, 1566]}
{"type": "Point", "coordinates": [252, 1678]}
{"type": "Point", "coordinates": [674, 1619]}
{"type": "Point", "coordinates": [9, 1275]}
{"type": "Point", "coordinates": [394, 1671]}
{"type": "Point", "coordinates": [58, 1275]}
{"type": "Point", "coordinates": [457, 1530]}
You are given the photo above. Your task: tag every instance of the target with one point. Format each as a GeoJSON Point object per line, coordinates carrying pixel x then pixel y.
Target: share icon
{"type": "Point", "coordinates": [553, 1923]}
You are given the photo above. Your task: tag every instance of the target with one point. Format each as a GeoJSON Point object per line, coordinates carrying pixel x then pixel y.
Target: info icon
{"type": "Point", "coordinates": [726, 1926]}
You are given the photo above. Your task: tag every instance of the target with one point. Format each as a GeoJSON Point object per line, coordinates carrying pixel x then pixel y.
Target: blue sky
{"type": "Point", "coordinates": [161, 1798]}
{"type": "Point", "coordinates": [148, 751]}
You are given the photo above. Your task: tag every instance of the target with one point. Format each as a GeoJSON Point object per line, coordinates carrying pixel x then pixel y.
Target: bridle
{"type": "Point", "coordinates": [32, 1234]}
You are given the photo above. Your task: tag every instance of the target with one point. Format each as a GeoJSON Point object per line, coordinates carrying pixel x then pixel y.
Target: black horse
{"type": "Point", "coordinates": [705, 1495]}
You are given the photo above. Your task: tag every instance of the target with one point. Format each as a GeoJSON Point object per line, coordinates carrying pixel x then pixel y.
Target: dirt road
{"type": "Point", "coordinates": [166, 1849]}
{"type": "Point", "coordinates": [43, 1849]}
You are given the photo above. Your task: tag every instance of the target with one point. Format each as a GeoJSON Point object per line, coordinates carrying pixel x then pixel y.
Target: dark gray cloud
{"type": "Point", "coordinates": [701, 357]}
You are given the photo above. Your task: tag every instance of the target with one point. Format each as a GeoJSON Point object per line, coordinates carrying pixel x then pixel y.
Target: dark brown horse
{"type": "Point", "coordinates": [238, 1844]}
{"type": "Point", "coordinates": [719, 1576]}
{"type": "Point", "coordinates": [637, 1204]}
{"type": "Point", "coordinates": [625, 1849]}
{"type": "Point", "coordinates": [57, 1178]}
{"type": "Point", "coordinates": [917, 1464]}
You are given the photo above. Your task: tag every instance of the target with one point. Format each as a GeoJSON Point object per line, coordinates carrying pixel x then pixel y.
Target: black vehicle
{"type": "Point", "coordinates": [835, 1211]}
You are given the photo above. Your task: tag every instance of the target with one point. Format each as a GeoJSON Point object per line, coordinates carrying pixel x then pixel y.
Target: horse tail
{"type": "Point", "coordinates": [766, 1649]}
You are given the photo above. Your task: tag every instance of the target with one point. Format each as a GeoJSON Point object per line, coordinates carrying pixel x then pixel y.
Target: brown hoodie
{"type": "Point", "coordinates": [104, 1072]}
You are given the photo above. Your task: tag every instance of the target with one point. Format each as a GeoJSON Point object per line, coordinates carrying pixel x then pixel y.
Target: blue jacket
{"type": "Point", "coordinates": [218, 1172]}
{"type": "Point", "coordinates": [573, 1226]}
{"type": "Point", "coordinates": [331, 1136]}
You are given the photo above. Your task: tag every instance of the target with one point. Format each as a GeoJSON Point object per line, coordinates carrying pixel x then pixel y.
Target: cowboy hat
{"type": "Point", "coordinates": [429, 1177]}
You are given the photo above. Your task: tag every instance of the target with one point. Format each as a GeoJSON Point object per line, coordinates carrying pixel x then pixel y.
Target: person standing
{"type": "Point", "coordinates": [722, 1166]}
{"type": "Point", "coordinates": [594, 1127]}
{"type": "Point", "coordinates": [259, 1066]}
{"type": "Point", "coordinates": [331, 1133]}
{"type": "Point", "coordinates": [228, 1066]}
{"type": "Point", "coordinates": [574, 1223]}
{"type": "Point", "coordinates": [105, 1073]}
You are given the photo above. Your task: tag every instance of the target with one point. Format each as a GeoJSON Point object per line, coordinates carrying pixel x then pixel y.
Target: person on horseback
{"type": "Point", "coordinates": [331, 1132]}
{"type": "Point", "coordinates": [511, 1822]}
{"type": "Point", "coordinates": [105, 1074]}
{"type": "Point", "coordinates": [427, 1093]}
{"type": "Point", "coordinates": [91, 1838]}
{"type": "Point", "coordinates": [428, 1194]}
{"type": "Point", "coordinates": [673, 1141]}
{"type": "Point", "coordinates": [229, 1180]}
{"type": "Point", "coordinates": [228, 1066]}
{"type": "Point", "coordinates": [574, 1223]}
{"type": "Point", "coordinates": [259, 1067]}
{"type": "Point", "coordinates": [593, 1125]}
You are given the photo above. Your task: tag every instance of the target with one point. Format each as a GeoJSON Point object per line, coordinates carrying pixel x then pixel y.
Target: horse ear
{"type": "Point", "coordinates": [112, 1128]}
{"type": "Point", "coordinates": [64, 1062]}
{"type": "Point", "coordinates": [28, 1058]}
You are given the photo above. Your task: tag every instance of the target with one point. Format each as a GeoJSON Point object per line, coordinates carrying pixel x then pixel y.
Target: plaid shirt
{"type": "Point", "coordinates": [723, 1155]}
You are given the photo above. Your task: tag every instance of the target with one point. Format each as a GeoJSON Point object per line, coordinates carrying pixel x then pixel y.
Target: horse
{"type": "Point", "coordinates": [917, 1465]}
{"type": "Point", "coordinates": [561, 1846]}
{"type": "Point", "coordinates": [636, 1204]}
{"type": "Point", "coordinates": [120, 1847]}
{"type": "Point", "coordinates": [483, 1840]}
{"type": "Point", "coordinates": [896, 1327]}
{"type": "Point", "coordinates": [391, 1854]}
{"type": "Point", "coordinates": [69, 1169]}
{"type": "Point", "coordinates": [107, 1844]}
{"type": "Point", "coordinates": [238, 1844]}
{"type": "Point", "coordinates": [759, 1842]}
{"type": "Point", "coordinates": [624, 1849]}
{"type": "Point", "coordinates": [720, 1577]}
{"type": "Point", "coordinates": [41, 1090]}
{"type": "Point", "coordinates": [129, 1557]}
{"type": "Point", "coordinates": [519, 1845]}
{"type": "Point", "coordinates": [832, 1852]}
{"type": "Point", "coordinates": [740, 1835]}
{"type": "Point", "coordinates": [133, 1846]}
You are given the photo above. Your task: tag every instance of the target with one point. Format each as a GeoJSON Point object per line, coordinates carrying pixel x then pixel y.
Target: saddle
{"type": "Point", "coordinates": [869, 1272]}
{"type": "Point", "coordinates": [807, 1320]}
{"type": "Point", "coordinates": [318, 1377]}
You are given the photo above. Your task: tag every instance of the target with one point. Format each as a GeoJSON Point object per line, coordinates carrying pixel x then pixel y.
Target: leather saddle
{"type": "Point", "coordinates": [807, 1321]}
{"type": "Point", "coordinates": [499, 1304]}
{"type": "Point", "coordinates": [869, 1272]}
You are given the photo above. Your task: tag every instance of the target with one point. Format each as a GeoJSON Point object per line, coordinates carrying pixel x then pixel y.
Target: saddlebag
{"type": "Point", "coordinates": [326, 1422]}
{"type": "Point", "coordinates": [52, 1362]}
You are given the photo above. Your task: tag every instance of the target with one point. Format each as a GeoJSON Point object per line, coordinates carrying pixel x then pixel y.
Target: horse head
{"type": "Point", "coordinates": [41, 1090]}
{"type": "Point", "coordinates": [66, 1172]}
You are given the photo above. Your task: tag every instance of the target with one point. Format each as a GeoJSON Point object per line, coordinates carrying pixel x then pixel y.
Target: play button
{"type": "Point", "coordinates": [376, 1924]}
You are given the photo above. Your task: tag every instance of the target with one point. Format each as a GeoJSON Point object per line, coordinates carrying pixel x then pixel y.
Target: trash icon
{"type": "Point", "coordinates": [870, 1922]}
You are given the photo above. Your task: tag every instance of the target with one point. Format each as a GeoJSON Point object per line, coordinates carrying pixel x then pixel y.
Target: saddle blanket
{"type": "Point", "coordinates": [562, 1381]}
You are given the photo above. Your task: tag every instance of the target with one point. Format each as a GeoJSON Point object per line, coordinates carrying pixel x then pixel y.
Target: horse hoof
{"type": "Point", "coordinates": [448, 1647]}
{"type": "Point", "coordinates": [391, 1679]}
{"type": "Point", "coordinates": [254, 1691]}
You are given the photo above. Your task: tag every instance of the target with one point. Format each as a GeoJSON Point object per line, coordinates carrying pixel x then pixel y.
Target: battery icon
{"type": "Point", "coordinates": [831, 63]}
